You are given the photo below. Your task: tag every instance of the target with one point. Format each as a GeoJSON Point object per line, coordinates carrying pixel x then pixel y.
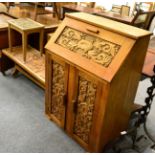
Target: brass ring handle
{"type": "Point", "coordinates": [93, 30]}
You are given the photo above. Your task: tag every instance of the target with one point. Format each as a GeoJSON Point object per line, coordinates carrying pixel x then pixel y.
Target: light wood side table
{"type": "Point", "coordinates": [25, 26]}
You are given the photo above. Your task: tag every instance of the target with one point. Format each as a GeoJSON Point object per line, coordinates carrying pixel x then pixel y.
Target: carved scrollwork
{"type": "Point", "coordinates": [85, 108]}
{"type": "Point", "coordinates": [57, 107]}
{"type": "Point", "coordinates": [90, 47]}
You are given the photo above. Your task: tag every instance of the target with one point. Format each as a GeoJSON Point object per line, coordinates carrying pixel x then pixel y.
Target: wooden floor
{"type": "Point", "coordinates": [27, 10]}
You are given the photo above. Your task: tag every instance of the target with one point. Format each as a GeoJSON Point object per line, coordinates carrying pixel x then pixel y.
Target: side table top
{"type": "Point", "coordinates": [25, 24]}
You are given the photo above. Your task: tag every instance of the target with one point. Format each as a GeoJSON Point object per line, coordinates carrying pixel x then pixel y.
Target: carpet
{"type": "Point", "coordinates": [24, 128]}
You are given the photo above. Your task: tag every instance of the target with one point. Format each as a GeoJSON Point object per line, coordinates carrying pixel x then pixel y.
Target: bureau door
{"type": "Point", "coordinates": [57, 90]}
{"type": "Point", "coordinates": [82, 106]}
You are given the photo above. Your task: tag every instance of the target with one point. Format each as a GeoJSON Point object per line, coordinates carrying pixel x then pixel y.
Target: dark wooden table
{"type": "Point", "coordinates": [78, 8]}
{"type": "Point", "coordinates": [115, 16]}
{"type": "Point", "coordinates": [6, 63]}
{"type": "Point", "coordinates": [150, 56]}
{"type": "Point", "coordinates": [149, 59]}
{"type": "Point", "coordinates": [4, 17]}
{"type": "Point", "coordinates": [102, 13]}
{"type": "Point", "coordinates": [134, 20]}
{"type": "Point", "coordinates": [149, 63]}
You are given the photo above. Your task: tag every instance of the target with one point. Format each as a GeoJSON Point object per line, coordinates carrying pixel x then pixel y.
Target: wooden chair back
{"type": "Point", "coordinates": [143, 19]}
{"type": "Point", "coordinates": [58, 7]}
{"type": "Point", "coordinates": [143, 6]}
{"type": "Point", "coordinates": [87, 4]}
{"type": "Point", "coordinates": [116, 8]}
{"type": "Point", "coordinates": [125, 10]}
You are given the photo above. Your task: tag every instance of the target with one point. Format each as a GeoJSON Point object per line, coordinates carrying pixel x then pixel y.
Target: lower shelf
{"type": "Point", "coordinates": [34, 65]}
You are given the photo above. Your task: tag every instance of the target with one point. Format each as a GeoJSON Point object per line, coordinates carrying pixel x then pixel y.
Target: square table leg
{"type": "Point", "coordinates": [24, 42]}
{"type": "Point", "coordinates": [10, 38]}
{"type": "Point", "coordinates": [41, 42]}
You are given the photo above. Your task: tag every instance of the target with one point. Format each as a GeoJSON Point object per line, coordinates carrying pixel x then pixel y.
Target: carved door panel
{"type": "Point", "coordinates": [82, 105]}
{"type": "Point", "coordinates": [58, 90]}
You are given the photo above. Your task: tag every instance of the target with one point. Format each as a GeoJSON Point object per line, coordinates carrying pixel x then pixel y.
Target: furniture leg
{"type": "Point", "coordinates": [24, 42]}
{"type": "Point", "coordinates": [55, 11]}
{"type": "Point", "coordinates": [41, 41]}
{"type": "Point", "coordinates": [35, 11]}
{"type": "Point", "coordinates": [15, 72]}
{"type": "Point", "coordinates": [63, 12]}
{"type": "Point", "coordinates": [10, 38]}
{"type": "Point", "coordinates": [21, 70]}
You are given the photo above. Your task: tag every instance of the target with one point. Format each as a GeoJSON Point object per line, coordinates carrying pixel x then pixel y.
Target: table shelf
{"type": "Point", "coordinates": [34, 66]}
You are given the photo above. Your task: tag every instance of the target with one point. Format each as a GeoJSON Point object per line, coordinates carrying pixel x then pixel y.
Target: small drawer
{"type": "Point", "coordinates": [94, 30]}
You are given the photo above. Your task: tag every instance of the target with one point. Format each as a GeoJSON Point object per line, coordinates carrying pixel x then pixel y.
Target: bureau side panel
{"type": "Point", "coordinates": [122, 93]}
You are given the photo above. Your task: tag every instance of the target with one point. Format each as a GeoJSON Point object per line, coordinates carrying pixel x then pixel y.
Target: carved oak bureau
{"type": "Point", "coordinates": [93, 66]}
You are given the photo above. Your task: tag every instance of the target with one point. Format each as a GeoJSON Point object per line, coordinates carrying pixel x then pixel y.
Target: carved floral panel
{"type": "Point", "coordinates": [85, 108]}
{"type": "Point", "coordinates": [57, 107]}
{"type": "Point", "coordinates": [91, 47]}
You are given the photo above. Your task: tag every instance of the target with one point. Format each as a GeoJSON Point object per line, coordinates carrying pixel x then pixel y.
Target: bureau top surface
{"type": "Point", "coordinates": [111, 25]}
{"type": "Point", "coordinates": [25, 24]}
{"type": "Point", "coordinates": [101, 54]}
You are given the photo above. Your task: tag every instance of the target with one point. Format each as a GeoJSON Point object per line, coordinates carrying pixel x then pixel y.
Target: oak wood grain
{"type": "Point", "coordinates": [99, 98]}
{"type": "Point", "coordinates": [35, 64]}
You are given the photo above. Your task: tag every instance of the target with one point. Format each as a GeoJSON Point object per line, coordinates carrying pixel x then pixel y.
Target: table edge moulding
{"type": "Point", "coordinates": [93, 66]}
